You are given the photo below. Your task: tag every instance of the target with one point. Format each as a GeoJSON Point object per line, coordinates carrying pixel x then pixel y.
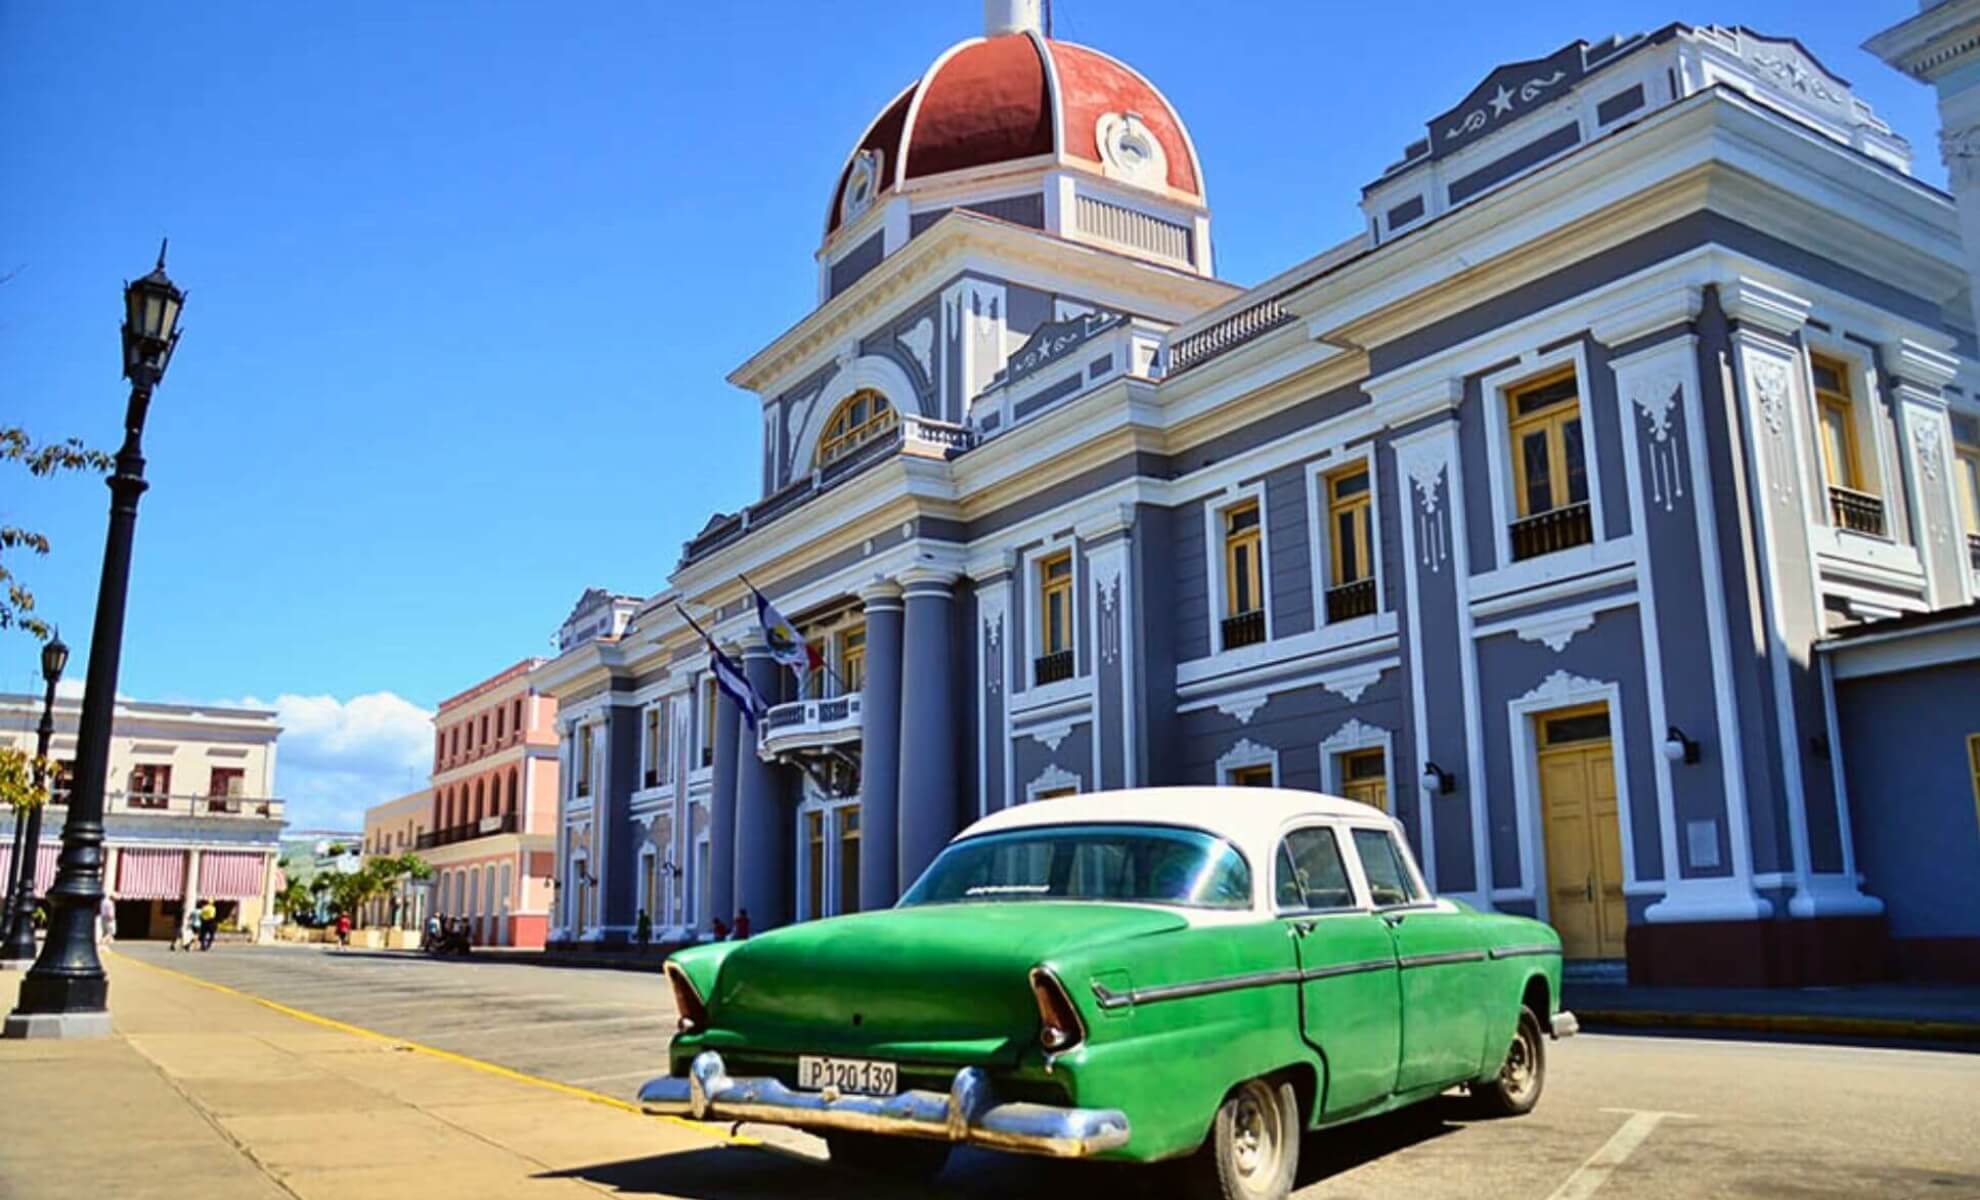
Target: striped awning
{"type": "Point", "coordinates": [150, 874]}
{"type": "Point", "coordinates": [44, 866]}
{"type": "Point", "coordinates": [231, 874]}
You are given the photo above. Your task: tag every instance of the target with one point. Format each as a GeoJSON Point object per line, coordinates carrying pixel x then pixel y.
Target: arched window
{"type": "Point", "coordinates": [859, 419]}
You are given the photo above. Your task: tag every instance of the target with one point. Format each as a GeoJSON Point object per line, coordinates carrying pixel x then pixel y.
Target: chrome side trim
{"type": "Point", "coordinates": [1565, 1024]}
{"type": "Point", "coordinates": [1437, 960]}
{"type": "Point", "coordinates": [1523, 951]}
{"type": "Point", "coordinates": [1110, 999]}
{"type": "Point", "coordinates": [966, 1113]}
{"type": "Point", "coordinates": [1352, 968]}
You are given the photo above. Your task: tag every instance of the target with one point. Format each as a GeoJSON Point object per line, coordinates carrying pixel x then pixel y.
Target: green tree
{"type": "Point", "coordinates": [17, 790]}
{"type": "Point", "coordinates": [295, 901]}
{"type": "Point", "coordinates": [41, 460]}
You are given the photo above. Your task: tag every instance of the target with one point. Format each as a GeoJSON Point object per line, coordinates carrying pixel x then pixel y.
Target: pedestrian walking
{"type": "Point", "coordinates": [343, 931]}
{"type": "Point", "coordinates": [644, 930]}
{"type": "Point", "coordinates": [742, 925]}
{"type": "Point", "coordinates": [209, 924]}
{"type": "Point", "coordinates": [188, 929]}
{"type": "Point", "coordinates": [106, 921]}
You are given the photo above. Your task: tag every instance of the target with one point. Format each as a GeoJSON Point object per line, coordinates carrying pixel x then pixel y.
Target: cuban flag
{"type": "Point", "coordinates": [786, 644]}
{"type": "Point", "coordinates": [729, 675]}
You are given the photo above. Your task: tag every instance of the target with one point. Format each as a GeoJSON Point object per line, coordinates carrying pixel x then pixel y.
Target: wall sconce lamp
{"type": "Point", "coordinates": [1437, 781]}
{"type": "Point", "coordinates": [1679, 748]}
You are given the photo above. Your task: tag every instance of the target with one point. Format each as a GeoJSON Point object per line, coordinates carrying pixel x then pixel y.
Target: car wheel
{"type": "Point", "coordinates": [1516, 1088]}
{"type": "Point", "coordinates": [910, 1160]}
{"type": "Point", "coordinates": [1252, 1152]}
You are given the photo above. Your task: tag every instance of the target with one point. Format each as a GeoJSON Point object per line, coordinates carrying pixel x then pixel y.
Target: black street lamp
{"type": "Point", "coordinates": [17, 928]}
{"type": "Point", "coordinates": [65, 993]}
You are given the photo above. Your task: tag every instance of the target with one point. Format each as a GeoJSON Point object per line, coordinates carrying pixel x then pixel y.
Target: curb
{"type": "Point", "coordinates": [1787, 1023]}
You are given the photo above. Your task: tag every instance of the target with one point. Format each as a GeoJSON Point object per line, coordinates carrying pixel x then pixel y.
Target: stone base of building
{"type": "Point", "coordinates": [1938, 959]}
{"type": "Point", "coordinates": [1772, 953]}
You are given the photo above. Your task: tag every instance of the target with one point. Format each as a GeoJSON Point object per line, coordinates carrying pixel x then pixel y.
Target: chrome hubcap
{"type": "Point", "coordinates": [1519, 1073]}
{"type": "Point", "coordinates": [1255, 1133]}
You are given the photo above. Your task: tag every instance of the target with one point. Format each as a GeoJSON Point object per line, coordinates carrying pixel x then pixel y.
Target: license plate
{"type": "Point", "coordinates": [854, 1076]}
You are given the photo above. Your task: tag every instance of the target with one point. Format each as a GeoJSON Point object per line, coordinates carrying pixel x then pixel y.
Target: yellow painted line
{"type": "Point", "coordinates": [444, 1055]}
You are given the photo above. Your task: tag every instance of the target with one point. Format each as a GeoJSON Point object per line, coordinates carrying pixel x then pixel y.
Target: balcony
{"type": "Point", "coordinates": [1858, 512]}
{"type": "Point", "coordinates": [809, 725]}
{"type": "Point", "coordinates": [1051, 668]}
{"type": "Point", "coordinates": [1228, 334]}
{"type": "Point", "coordinates": [486, 827]}
{"type": "Point", "coordinates": [1351, 600]}
{"type": "Point", "coordinates": [1556, 529]}
{"type": "Point", "coordinates": [1245, 629]}
{"type": "Point", "coordinates": [158, 804]}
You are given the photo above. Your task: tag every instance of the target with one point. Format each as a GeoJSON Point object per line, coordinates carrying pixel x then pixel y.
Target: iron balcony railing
{"type": "Point", "coordinates": [182, 806]}
{"type": "Point", "coordinates": [1858, 512]}
{"type": "Point", "coordinates": [809, 724]}
{"type": "Point", "coordinates": [1555, 529]}
{"type": "Point", "coordinates": [1051, 668]}
{"type": "Point", "coordinates": [1351, 600]}
{"type": "Point", "coordinates": [485, 827]}
{"type": "Point", "coordinates": [1245, 629]}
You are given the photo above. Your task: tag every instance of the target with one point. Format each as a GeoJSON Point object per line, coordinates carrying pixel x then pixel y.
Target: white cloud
{"type": "Point", "coordinates": [336, 758]}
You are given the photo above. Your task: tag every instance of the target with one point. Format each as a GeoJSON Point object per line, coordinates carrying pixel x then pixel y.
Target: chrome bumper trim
{"type": "Point", "coordinates": [1565, 1024]}
{"type": "Point", "coordinates": [967, 1113]}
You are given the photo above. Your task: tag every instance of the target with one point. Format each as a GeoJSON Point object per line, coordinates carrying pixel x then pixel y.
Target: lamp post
{"type": "Point", "coordinates": [17, 930]}
{"type": "Point", "coordinates": [65, 993]}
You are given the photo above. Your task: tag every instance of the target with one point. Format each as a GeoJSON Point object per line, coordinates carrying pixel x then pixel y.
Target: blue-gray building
{"type": "Point", "coordinates": [1519, 513]}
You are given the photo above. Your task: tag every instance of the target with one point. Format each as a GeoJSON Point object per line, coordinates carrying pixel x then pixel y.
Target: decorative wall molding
{"type": "Point", "coordinates": [1556, 630]}
{"type": "Point", "coordinates": [1355, 735]}
{"type": "Point", "coordinates": [1051, 779]}
{"type": "Point", "coordinates": [1051, 735]}
{"type": "Point", "coordinates": [919, 339]}
{"type": "Point", "coordinates": [1244, 705]}
{"type": "Point", "coordinates": [1660, 398]}
{"type": "Point", "coordinates": [1350, 682]}
{"type": "Point", "coordinates": [1425, 464]}
{"type": "Point", "coordinates": [1769, 377]}
{"type": "Point", "coordinates": [1247, 753]}
{"type": "Point", "coordinates": [1563, 686]}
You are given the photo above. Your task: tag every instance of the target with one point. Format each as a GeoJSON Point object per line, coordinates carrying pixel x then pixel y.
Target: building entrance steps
{"type": "Point", "coordinates": [209, 1092]}
{"type": "Point", "coordinates": [1945, 1013]}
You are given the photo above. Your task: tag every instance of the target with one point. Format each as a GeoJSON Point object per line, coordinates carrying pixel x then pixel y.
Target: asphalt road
{"type": "Point", "coordinates": [1622, 1116]}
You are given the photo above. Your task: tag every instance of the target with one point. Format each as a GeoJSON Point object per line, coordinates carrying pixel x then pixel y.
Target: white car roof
{"type": "Point", "coordinates": [1250, 818]}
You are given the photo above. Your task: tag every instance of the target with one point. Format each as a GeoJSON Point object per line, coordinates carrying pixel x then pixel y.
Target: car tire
{"type": "Point", "coordinates": [1516, 1088]}
{"type": "Point", "coordinates": [908, 1160]}
{"type": "Point", "coordinates": [1252, 1152]}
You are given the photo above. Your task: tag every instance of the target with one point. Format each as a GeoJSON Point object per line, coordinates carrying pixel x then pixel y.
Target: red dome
{"type": "Point", "coordinates": [1005, 99]}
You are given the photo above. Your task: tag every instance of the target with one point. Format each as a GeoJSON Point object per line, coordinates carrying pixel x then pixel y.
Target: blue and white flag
{"type": "Point", "coordinates": [729, 676]}
{"type": "Point", "coordinates": [786, 644]}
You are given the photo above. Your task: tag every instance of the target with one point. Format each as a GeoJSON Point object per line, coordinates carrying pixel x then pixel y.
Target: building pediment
{"type": "Point", "coordinates": [1508, 93]}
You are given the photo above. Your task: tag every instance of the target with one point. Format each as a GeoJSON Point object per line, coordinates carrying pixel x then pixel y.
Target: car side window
{"type": "Point", "coordinates": [1389, 881]}
{"type": "Point", "coordinates": [1311, 873]}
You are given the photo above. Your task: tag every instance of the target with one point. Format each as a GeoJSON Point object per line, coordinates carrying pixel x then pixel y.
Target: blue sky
{"type": "Point", "coordinates": [465, 283]}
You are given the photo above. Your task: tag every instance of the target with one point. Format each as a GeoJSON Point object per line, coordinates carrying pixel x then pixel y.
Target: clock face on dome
{"type": "Point", "coordinates": [1129, 150]}
{"type": "Point", "coordinates": [862, 184]}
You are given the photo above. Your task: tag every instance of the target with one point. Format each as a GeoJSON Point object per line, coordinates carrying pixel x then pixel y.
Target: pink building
{"type": "Point", "coordinates": [491, 836]}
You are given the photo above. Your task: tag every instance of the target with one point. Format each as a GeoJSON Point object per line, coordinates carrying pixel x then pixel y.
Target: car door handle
{"type": "Point", "coordinates": [1302, 928]}
{"type": "Point", "coordinates": [1393, 919]}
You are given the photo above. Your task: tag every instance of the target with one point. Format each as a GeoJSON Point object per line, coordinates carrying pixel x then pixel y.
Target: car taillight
{"type": "Point", "coordinates": [687, 1001]}
{"type": "Point", "coordinates": [1060, 1028]}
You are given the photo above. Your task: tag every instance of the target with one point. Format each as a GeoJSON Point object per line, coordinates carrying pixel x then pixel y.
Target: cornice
{"type": "Point", "coordinates": [944, 244]}
{"type": "Point", "coordinates": [1752, 302]}
{"type": "Point", "coordinates": [1645, 315]}
{"type": "Point", "coordinates": [1920, 364]}
{"type": "Point", "coordinates": [1935, 41]}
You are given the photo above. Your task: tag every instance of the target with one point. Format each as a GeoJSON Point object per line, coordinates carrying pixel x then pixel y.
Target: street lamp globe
{"type": "Point", "coordinates": [54, 657]}
{"type": "Point", "coordinates": [151, 324]}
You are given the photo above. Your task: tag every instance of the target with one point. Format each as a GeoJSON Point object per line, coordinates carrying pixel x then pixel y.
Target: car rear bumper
{"type": "Point", "coordinates": [1565, 1024]}
{"type": "Point", "coordinates": [968, 1113]}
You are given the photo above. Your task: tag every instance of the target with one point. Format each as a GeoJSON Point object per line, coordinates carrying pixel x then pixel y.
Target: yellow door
{"type": "Point", "coordinates": [1365, 778]}
{"type": "Point", "coordinates": [1584, 839]}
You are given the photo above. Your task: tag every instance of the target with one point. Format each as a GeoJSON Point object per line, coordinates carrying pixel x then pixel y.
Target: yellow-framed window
{"type": "Point", "coordinates": [708, 720]}
{"type": "Point", "coordinates": [852, 658]}
{"type": "Point", "coordinates": [1244, 573]}
{"type": "Point", "coordinates": [584, 760]}
{"type": "Point", "coordinates": [859, 419]}
{"type": "Point", "coordinates": [1365, 777]}
{"type": "Point", "coordinates": [1258, 776]}
{"type": "Point", "coordinates": [1055, 582]}
{"type": "Point", "coordinates": [1349, 525]}
{"type": "Point", "coordinates": [1835, 408]}
{"type": "Point", "coordinates": [1550, 466]}
{"type": "Point", "coordinates": [1966, 471]}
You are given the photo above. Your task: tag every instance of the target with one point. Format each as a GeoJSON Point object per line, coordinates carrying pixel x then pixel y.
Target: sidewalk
{"type": "Point", "coordinates": [1913, 1012]}
{"type": "Point", "coordinates": [208, 1092]}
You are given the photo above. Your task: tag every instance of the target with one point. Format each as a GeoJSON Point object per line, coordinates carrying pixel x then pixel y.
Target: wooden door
{"type": "Point", "coordinates": [1584, 839]}
{"type": "Point", "coordinates": [1365, 778]}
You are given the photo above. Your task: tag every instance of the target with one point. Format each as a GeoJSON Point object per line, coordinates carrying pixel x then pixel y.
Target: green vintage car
{"type": "Point", "coordinates": [1139, 975]}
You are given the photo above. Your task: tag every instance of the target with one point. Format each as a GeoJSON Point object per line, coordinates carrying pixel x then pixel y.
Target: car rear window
{"type": "Point", "coordinates": [1389, 881]}
{"type": "Point", "coordinates": [1147, 864]}
{"type": "Point", "coordinates": [1311, 873]}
